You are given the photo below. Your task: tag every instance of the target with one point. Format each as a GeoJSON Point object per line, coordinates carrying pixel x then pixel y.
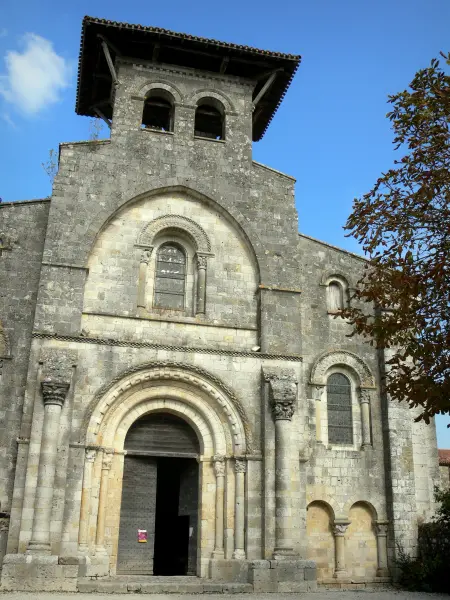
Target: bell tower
{"type": "Point", "coordinates": [204, 101]}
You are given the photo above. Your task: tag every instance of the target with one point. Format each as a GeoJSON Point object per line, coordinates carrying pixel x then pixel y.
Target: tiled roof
{"type": "Point", "coordinates": [138, 41]}
{"type": "Point", "coordinates": [444, 457]}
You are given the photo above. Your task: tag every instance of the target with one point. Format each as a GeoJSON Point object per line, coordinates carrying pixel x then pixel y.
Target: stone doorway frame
{"type": "Point", "coordinates": [223, 432]}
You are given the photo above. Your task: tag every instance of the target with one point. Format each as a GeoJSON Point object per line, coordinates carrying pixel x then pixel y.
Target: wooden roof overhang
{"type": "Point", "coordinates": [270, 70]}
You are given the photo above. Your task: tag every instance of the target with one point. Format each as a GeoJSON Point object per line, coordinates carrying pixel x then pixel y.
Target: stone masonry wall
{"type": "Point", "coordinates": [22, 232]}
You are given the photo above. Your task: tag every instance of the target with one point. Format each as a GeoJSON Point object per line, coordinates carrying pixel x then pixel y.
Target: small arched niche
{"type": "Point", "coordinates": [158, 113]}
{"type": "Point", "coordinates": [210, 119]}
{"type": "Point", "coordinates": [319, 518]}
{"type": "Point", "coordinates": [361, 543]}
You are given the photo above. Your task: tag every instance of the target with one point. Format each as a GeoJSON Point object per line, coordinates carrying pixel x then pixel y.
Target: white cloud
{"type": "Point", "coordinates": [8, 120]}
{"type": "Point", "coordinates": [35, 77]}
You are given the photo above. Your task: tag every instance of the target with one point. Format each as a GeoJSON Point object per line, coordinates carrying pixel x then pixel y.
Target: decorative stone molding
{"type": "Point", "coordinates": [283, 392]}
{"type": "Point", "coordinates": [317, 391]}
{"type": "Point", "coordinates": [154, 346]}
{"type": "Point", "coordinates": [145, 255]}
{"type": "Point", "coordinates": [365, 395]}
{"type": "Point", "coordinates": [107, 460]}
{"type": "Point", "coordinates": [345, 279]}
{"type": "Point", "coordinates": [177, 222]}
{"type": "Point", "coordinates": [341, 357]}
{"type": "Point", "coordinates": [167, 86]}
{"type": "Point", "coordinates": [164, 371]}
{"type": "Point", "coordinates": [219, 465]}
{"type": "Point", "coordinates": [54, 392]}
{"type": "Point", "coordinates": [339, 528]}
{"type": "Point", "coordinates": [381, 528]}
{"type": "Point", "coordinates": [90, 454]}
{"type": "Point", "coordinates": [57, 364]}
{"type": "Point", "coordinates": [240, 465]}
{"type": "Point", "coordinates": [202, 261]}
{"type": "Point", "coordinates": [198, 95]}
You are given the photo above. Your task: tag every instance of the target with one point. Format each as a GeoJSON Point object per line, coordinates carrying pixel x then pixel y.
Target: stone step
{"type": "Point", "coordinates": [161, 585]}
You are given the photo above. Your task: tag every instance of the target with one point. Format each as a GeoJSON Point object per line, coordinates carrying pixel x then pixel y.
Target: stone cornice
{"type": "Point", "coordinates": [187, 349]}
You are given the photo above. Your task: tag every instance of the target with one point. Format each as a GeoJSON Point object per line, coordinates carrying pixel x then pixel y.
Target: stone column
{"type": "Point", "coordinates": [102, 502]}
{"type": "Point", "coordinates": [54, 395]}
{"type": "Point", "coordinates": [85, 510]}
{"type": "Point", "coordinates": [284, 395]}
{"type": "Point", "coordinates": [339, 529]}
{"type": "Point", "coordinates": [365, 417]}
{"type": "Point", "coordinates": [381, 529]}
{"type": "Point", "coordinates": [142, 284]}
{"type": "Point", "coordinates": [202, 262]}
{"type": "Point", "coordinates": [317, 395]}
{"type": "Point", "coordinates": [219, 470]}
{"type": "Point", "coordinates": [240, 467]}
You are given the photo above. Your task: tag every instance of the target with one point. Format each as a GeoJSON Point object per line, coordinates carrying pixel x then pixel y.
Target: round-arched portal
{"type": "Point", "coordinates": [158, 529]}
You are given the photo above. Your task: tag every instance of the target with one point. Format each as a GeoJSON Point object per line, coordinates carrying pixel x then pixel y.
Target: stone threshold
{"type": "Point", "coordinates": [150, 584]}
{"type": "Point", "coordinates": [355, 584]}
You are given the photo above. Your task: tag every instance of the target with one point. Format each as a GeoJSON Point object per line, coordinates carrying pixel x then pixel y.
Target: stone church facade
{"type": "Point", "coordinates": [179, 395]}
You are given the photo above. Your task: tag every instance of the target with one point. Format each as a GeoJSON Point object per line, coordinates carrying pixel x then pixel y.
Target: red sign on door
{"type": "Point", "coordinates": [142, 536]}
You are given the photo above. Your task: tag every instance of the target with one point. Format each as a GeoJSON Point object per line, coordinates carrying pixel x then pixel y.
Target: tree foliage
{"type": "Point", "coordinates": [403, 224]}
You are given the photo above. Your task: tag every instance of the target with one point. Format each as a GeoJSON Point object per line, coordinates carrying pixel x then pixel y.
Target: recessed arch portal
{"type": "Point", "coordinates": [180, 392]}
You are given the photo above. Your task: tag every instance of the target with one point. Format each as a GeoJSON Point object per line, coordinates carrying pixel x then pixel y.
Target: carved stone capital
{"type": "Point", "coordinates": [107, 460]}
{"type": "Point", "coordinates": [202, 261]}
{"type": "Point", "coordinates": [54, 392]}
{"type": "Point", "coordinates": [90, 454]}
{"type": "Point", "coordinates": [283, 396]}
{"type": "Point", "coordinates": [364, 395]}
{"type": "Point", "coordinates": [145, 255]}
{"type": "Point", "coordinates": [240, 465]}
{"type": "Point", "coordinates": [219, 465]}
{"type": "Point", "coordinates": [340, 528]}
{"type": "Point", "coordinates": [317, 391]}
{"type": "Point", "coordinates": [381, 528]}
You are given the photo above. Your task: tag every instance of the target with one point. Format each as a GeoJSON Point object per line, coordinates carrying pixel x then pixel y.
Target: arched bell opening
{"type": "Point", "coordinates": [158, 531]}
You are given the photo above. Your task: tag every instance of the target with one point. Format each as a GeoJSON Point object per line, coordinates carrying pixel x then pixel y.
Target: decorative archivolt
{"type": "Point", "coordinates": [208, 93]}
{"type": "Point", "coordinates": [336, 275]}
{"type": "Point", "coordinates": [161, 85]}
{"type": "Point", "coordinates": [345, 358]}
{"type": "Point", "coordinates": [175, 222]}
{"type": "Point", "coordinates": [188, 386]}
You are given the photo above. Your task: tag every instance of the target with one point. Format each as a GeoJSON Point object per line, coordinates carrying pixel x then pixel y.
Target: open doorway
{"type": "Point", "coordinates": [158, 532]}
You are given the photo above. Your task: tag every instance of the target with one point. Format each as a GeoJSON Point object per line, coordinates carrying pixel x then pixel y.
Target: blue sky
{"type": "Point", "coordinates": [330, 132]}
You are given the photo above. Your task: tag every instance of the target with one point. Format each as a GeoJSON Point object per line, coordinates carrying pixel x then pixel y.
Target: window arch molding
{"type": "Point", "coordinates": [338, 291]}
{"type": "Point", "coordinates": [208, 94]}
{"type": "Point", "coordinates": [362, 384]}
{"type": "Point", "coordinates": [166, 86]}
{"type": "Point", "coordinates": [191, 237]}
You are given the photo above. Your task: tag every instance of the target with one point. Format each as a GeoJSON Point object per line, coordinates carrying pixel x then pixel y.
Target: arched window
{"type": "Point", "coordinates": [339, 409]}
{"type": "Point", "coordinates": [335, 297]}
{"type": "Point", "coordinates": [170, 277]}
{"type": "Point", "coordinates": [209, 119]}
{"type": "Point", "coordinates": [158, 111]}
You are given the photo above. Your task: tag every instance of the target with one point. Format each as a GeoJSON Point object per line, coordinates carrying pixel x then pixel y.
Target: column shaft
{"type": "Point", "coordinates": [201, 285]}
{"type": "Point", "coordinates": [219, 469]}
{"type": "Point", "coordinates": [102, 502]}
{"type": "Point", "coordinates": [54, 396]}
{"type": "Point", "coordinates": [381, 531]}
{"type": "Point", "coordinates": [142, 282]}
{"type": "Point", "coordinates": [239, 511]}
{"type": "Point", "coordinates": [85, 509]}
{"type": "Point", "coordinates": [365, 419]}
{"type": "Point", "coordinates": [283, 541]}
{"type": "Point", "coordinates": [339, 546]}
